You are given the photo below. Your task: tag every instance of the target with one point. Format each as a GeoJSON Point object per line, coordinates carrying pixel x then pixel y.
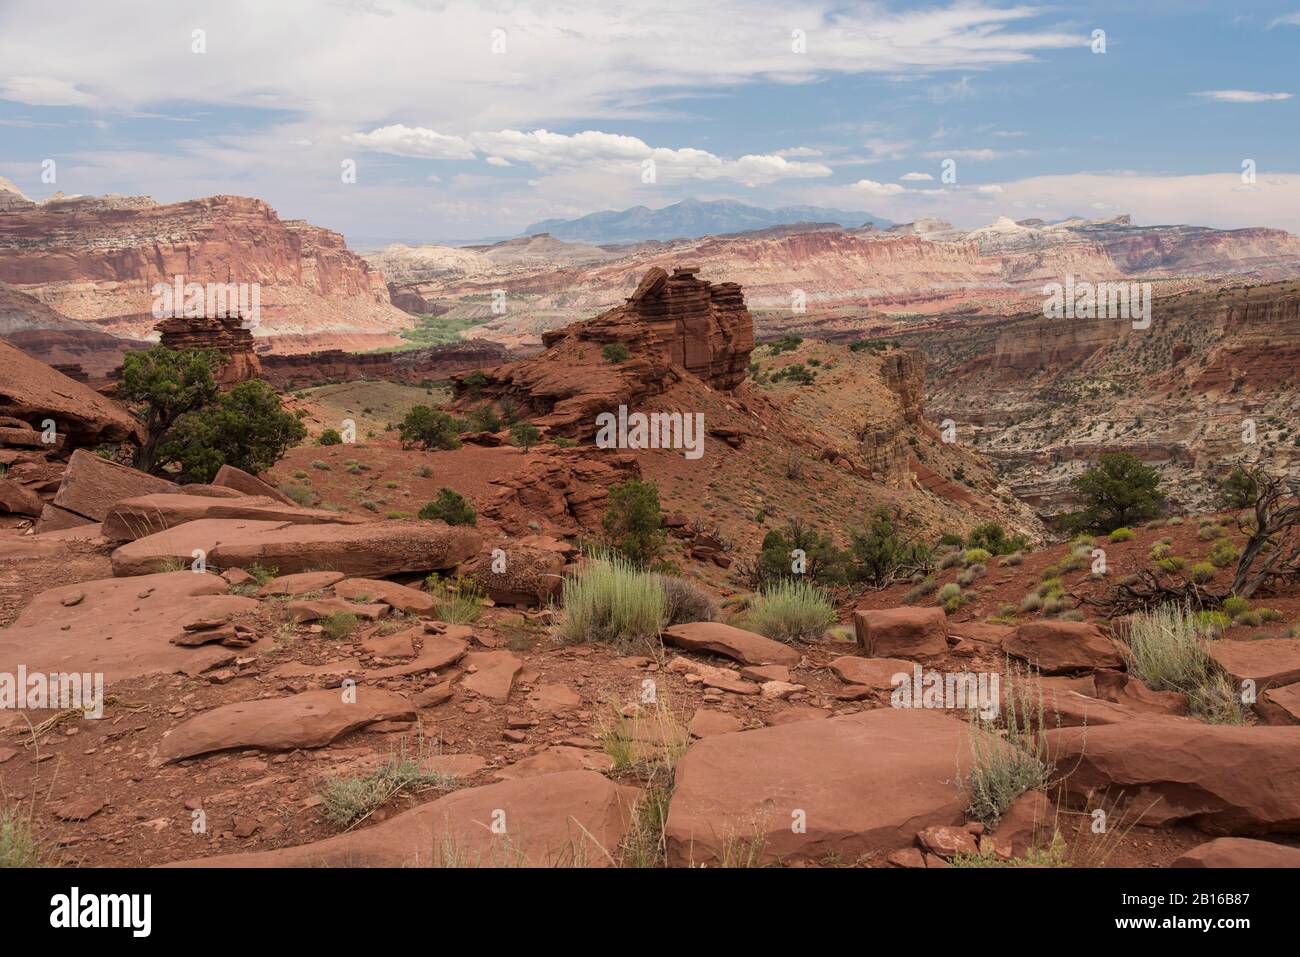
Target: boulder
{"type": "Point", "coordinates": [32, 391]}
{"type": "Point", "coordinates": [440, 646]}
{"type": "Point", "coordinates": [122, 627]}
{"type": "Point", "coordinates": [18, 500]}
{"type": "Point", "coordinates": [532, 571]}
{"type": "Point", "coordinates": [54, 519]}
{"type": "Point", "coordinates": [556, 758]}
{"type": "Point", "coordinates": [901, 632]}
{"type": "Point", "coordinates": [875, 673]}
{"type": "Point", "coordinates": [1057, 647]}
{"type": "Point", "coordinates": [1129, 690]}
{"type": "Point", "coordinates": [1280, 705]}
{"type": "Point", "coordinates": [861, 784]}
{"type": "Point", "coordinates": [570, 818]}
{"type": "Point", "coordinates": [492, 674]}
{"type": "Point", "coordinates": [371, 549]}
{"type": "Point", "coordinates": [316, 609]}
{"type": "Point", "coordinates": [1240, 852]}
{"type": "Point", "coordinates": [1269, 662]}
{"type": "Point", "coordinates": [311, 719]}
{"type": "Point", "coordinates": [706, 722]}
{"type": "Point", "coordinates": [1028, 823]}
{"type": "Point", "coordinates": [92, 485]}
{"type": "Point", "coordinates": [230, 477]}
{"type": "Point", "coordinates": [137, 517]}
{"type": "Point", "coordinates": [398, 597]}
{"type": "Point", "coordinates": [302, 583]}
{"type": "Point", "coordinates": [745, 647]}
{"type": "Point", "coordinates": [1223, 779]}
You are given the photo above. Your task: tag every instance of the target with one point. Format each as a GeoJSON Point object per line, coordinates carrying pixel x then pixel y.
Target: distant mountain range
{"type": "Point", "coordinates": [691, 219]}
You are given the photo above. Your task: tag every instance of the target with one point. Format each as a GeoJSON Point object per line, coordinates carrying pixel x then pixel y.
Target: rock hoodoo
{"type": "Point", "coordinates": [670, 326]}
{"type": "Point", "coordinates": [228, 334]}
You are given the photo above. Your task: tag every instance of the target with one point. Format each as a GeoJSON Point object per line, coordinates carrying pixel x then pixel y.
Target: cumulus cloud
{"type": "Point", "coordinates": [1242, 96]}
{"type": "Point", "coordinates": [400, 140]}
{"type": "Point", "coordinates": [593, 149]}
{"type": "Point", "coordinates": [916, 177]}
{"type": "Point", "coordinates": [877, 189]}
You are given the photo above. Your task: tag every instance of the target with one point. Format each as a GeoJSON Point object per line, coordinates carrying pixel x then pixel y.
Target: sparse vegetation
{"type": "Point", "coordinates": [613, 601]}
{"type": "Point", "coordinates": [633, 522]}
{"type": "Point", "coordinates": [348, 801]}
{"type": "Point", "coordinates": [339, 625]}
{"type": "Point", "coordinates": [450, 506]}
{"type": "Point", "coordinates": [791, 611]}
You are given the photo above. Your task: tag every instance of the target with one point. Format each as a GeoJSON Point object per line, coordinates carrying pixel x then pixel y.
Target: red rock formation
{"type": "Point", "coordinates": [33, 392]}
{"type": "Point", "coordinates": [411, 366]}
{"type": "Point", "coordinates": [227, 334]}
{"type": "Point", "coordinates": [670, 326]}
{"type": "Point", "coordinates": [98, 259]}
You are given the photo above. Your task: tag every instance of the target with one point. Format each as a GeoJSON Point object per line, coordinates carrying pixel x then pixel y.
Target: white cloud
{"type": "Point", "coordinates": [916, 177]}
{"type": "Point", "coordinates": [590, 149]}
{"type": "Point", "coordinates": [977, 155]}
{"type": "Point", "coordinates": [1242, 96]}
{"type": "Point", "coordinates": [43, 91]}
{"type": "Point", "coordinates": [1287, 19]}
{"type": "Point", "coordinates": [877, 189]}
{"type": "Point", "coordinates": [402, 140]}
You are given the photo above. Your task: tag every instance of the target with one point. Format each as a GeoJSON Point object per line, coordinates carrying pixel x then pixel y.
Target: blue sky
{"type": "Point", "coordinates": [454, 138]}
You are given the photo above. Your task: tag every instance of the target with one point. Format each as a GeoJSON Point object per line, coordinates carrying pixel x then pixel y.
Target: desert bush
{"type": "Point", "coordinates": [1122, 534]}
{"type": "Point", "coordinates": [457, 602]}
{"type": "Point", "coordinates": [975, 556]}
{"type": "Point", "coordinates": [949, 597]}
{"type": "Point", "coordinates": [1239, 489]}
{"type": "Point", "coordinates": [881, 554]}
{"type": "Point", "coordinates": [1159, 551]}
{"type": "Point", "coordinates": [1235, 606]}
{"type": "Point", "coordinates": [633, 523]}
{"type": "Point", "coordinates": [1171, 564]}
{"type": "Point", "coordinates": [685, 602]}
{"type": "Point", "coordinates": [451, 507]}
{"type": "Point", "coordinates": [949, 560]}
{"type": "Point", "coordinates": [1210, 532]}
{"type": "Point", "coordinates": [927, 587]}
{"type": "Point", "coordinates": [824, 563]}
{"type": "Point", "coordinates": [1008, 755]}
{"type": "Point", "coordinates": [524, 434]}
{"type": "Point", "coordinates": [1223, 554]}
{"type": "Point", "coordinates": [339, 625]}
{"type": "Point", "coordinates": [303, 495]}
{"type": "Point", "coordinates": [614, 352]}
{"type": "Point", "coordinates": [1031, 602]}
{"type": "Point", "coordinates": [1014, 559]}
{"type": "Point", "coordinates": [483, 418]}
{"type": "Point", "coordinates": [970, 574]}
{"type": "Point", "coordinates": [613, 601]}
{"type": "Point", "coordinates": [1167, 648]}
{"type": "Point", "coordinates": [431, 428]}
{"type": "Point", "coordinates": [330, 436]}
{"type": "Point", "coordinates": [348, 801]}
{"type": "Point", "coordinates": [1202, 572]}
{"type": "Point", "coordinates": [791, 611]}
{"type": "Point", "coordinates": [992, 538]}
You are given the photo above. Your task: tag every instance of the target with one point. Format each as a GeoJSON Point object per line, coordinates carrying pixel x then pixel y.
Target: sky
{"type": "Point", "coordinates": [419, 120]}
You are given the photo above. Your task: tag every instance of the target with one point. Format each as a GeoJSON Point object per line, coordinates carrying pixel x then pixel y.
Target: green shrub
{"type": "Point", "coordinates": [524, 434]}
{"type": "Point", "coordinates": [791, 611]}
{"type": "Point", "coordinates": [330, 437]}
{"type": "Point", "coordinates": [615, 352]}
{"type": "Point", "coordinates": [1235, 605]}
{"type": "Point", "coordinates": [484, 418]}
{"type": "Point", "coordinates": [246, 428]}
{"type": "Point", "coordinates": [1223, 554]}
{"type": "Point", "coordinates": [975, 556]}
{"type": "Point", "coordinates": [1202, 572]}
{"type": "Point", "coordinates": [451, 507]}
{"type": "Point", "coordinates": [970, 574]}
{"type": "Point", "coordinates": [1172, 564]}
{"type": "Point", "coordinates": [992, 538]}
{"type": "Point", "coordinates": [339, 625]}
{"type": "Point", "coordinates": [1209, 533]}
{"type": "Point", "coordinates": [458, 602]}
{"type": "Point", "coordinates": [1122, 534]}
{"type": "Point", "coordinates": [612, 601]}
{"type": "Point", "coordinates": [346, 801]}
{"type": "Point", "coordinates": [1118, 489]}
{"type": "Point", "coordinates": [430, 428]}
{"type": "Point", "coordinates": [1014, 559]}
{"type": "Point", "coordinates": [633, 522]}
{"type": "Point", "coordinates": [880, 554]}
{"type": "Point", "coordinates": [1159, 551]}
{"type": "Point", "coordinates": [1031, 602]}
{"type": "Point", "coordinates": [320, 466]}
{"type": "Point", "coordinates": [824, 563]}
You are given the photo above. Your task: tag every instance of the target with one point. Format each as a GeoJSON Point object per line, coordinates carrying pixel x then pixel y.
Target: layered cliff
{"type": "Point", "coordinates": [98, 259]}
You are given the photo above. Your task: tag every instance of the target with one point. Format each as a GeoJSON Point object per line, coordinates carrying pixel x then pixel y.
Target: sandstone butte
{"type": "Point", "coordinates": [97, 259]}
{"type": "Point", "coordinates": [669, 325]}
